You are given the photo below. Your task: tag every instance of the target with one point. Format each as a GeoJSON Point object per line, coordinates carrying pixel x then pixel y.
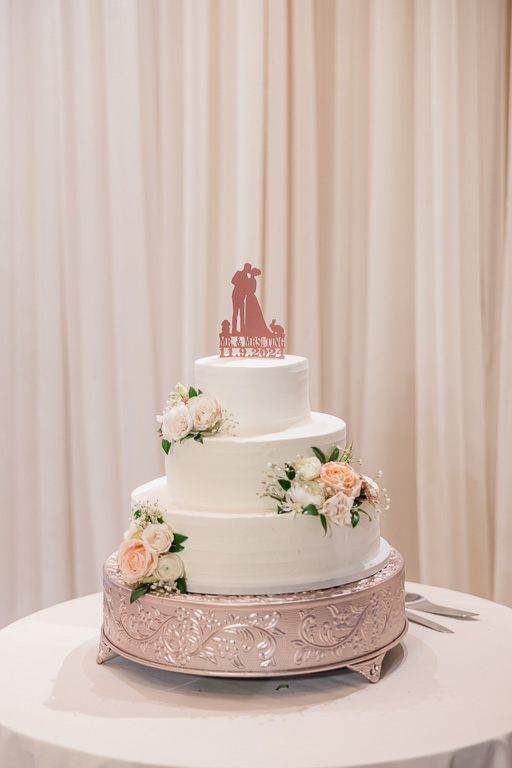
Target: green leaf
{"type": "Point", "coordinates": [178, 541]}
{"type": "Point", "coordinates": [285, 484]}
{"type": "Point", "coordinates": [181, 584]}
{"type": "Point", "coordinates": [319, 454]}
{"type": "Point", "coordinates": [199, 391]}
{"type": "Point", "coordinates": [192, 392]}
{"type": "Point", "coordinates": [310, 510]}
{"type": "Point", "coordinates": [334, 454]}
{"type": "Point", "coordinates": [290, 472]}
{"type": "Point", "coordinates": [280, 511]}
{"type": "Point", "coordinates": [198, 437]}
{"type": "Point", "coordinates": [355, 518]}
{"type": "Point", "coordinates": [323, 520]}
{"type": "Point", "coordinates": [166, 445]}
{"type": "Point", "coordinates": [138, 592]}
{"type": "Point", "coordinates": [137, 513]}
{"type": "Point", "coordinates": [277, 498]}
{"type": "Point", "coordinates": [283, 685]}
{"type": "Point", "coordinates": [347, 455]}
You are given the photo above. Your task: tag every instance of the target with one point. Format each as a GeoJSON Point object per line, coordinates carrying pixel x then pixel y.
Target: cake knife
{"type": "Point", "coordinates": [420, 603]}
{"type": "Point", "coordinates": [427, 622]}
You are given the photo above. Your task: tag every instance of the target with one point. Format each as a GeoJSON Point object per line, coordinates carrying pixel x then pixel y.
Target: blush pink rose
{"type": "Point", "coordinates": [338, 509]}
{"type": "Point", "coordinates": [371, 491]}
{"type": "Point", "coordinates": [341, 477]}
{"type": "Point", "coordinates": [136, 561]}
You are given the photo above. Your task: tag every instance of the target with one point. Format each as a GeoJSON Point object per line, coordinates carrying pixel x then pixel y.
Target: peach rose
{"type": "Point", "coordinates": [341, 477]}
{"type": "Point", "coordinates": [136, 561]}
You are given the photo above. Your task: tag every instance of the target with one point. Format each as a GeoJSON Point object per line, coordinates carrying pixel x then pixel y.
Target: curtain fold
{"type": "Point", "coordinates": [356, 151]}
{"type": "Point", "coordinates": [501, 349]}
{"type": "Point", "coordinates": [453, 510]}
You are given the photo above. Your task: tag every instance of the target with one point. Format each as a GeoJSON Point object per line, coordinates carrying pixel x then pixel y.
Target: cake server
{"type": "Point", "coordinates": [420, 603]}
{"type": "Point", "coordinates": [427, 622]}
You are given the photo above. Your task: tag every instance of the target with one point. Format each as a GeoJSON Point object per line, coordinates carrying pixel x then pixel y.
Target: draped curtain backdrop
{"type": "Point", "coordinates": [357, 152]}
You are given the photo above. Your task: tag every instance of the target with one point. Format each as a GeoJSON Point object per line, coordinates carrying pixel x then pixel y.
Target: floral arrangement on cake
{"type": "Point", "coordinates": [147, 557]}
{"type": "Point", "coordinates": [327, 487]}
{"type": "Point", "coordinates": [190, 414]}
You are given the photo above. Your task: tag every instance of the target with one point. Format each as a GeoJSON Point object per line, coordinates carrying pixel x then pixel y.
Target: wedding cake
{"type": "Point", "coordinates": [259, 552]}
{"type": "Point", "coordinates": [237, 542]}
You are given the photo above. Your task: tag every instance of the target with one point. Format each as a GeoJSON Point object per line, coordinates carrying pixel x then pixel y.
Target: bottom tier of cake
{"type": "Point", "coordinates": [260, 552]}
{"type": "Point", "coordinates": [254, 636]}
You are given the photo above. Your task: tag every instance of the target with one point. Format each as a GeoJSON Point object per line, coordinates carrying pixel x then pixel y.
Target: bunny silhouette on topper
{"type": "Point", "coordinates": [277, 329]}
{"type": "Point", "coordinates": [249, 335]}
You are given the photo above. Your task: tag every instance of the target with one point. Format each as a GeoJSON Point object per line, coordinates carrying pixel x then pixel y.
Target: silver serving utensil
{"type": "Point", "coordinates": [420, 603]}
{"type": "Point", "coordinates": [427, 622]}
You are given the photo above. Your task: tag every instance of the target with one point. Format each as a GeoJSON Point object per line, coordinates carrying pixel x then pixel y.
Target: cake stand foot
{"type": "Point", "coordinates": [105, 652]}
{"type": "Point", "coordinates": [370, 669]}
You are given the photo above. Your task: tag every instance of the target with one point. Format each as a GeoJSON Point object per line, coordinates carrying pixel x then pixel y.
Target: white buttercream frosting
{"type": "Point", "coordinates": [226, 473]}
{"type": "Point", "coordinates": [263, 552]}
{"type": "Point", "coordinates": [264, 395]}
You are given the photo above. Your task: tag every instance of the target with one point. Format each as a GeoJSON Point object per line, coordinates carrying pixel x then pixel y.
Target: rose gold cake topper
{"type": "Point", "coordinates": [248, 335]}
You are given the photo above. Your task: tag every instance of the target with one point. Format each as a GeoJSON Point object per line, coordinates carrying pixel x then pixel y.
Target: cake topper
{"type": "Point", "coordinates": [248, 334]}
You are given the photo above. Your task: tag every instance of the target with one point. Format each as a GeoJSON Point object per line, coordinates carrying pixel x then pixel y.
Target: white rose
{"type": "Point", "coordinates": [338, 509]}
{"type": "Point", "coordinates": [308, 469]}
{"type": "Point", "coordinates": [304, 493]}
{"type": "Point", "coordinates": [205, 411]}
{"type": "Point", "coordinates": [177, 422]}
{"type": "Point", "coordinates": [158, 537]}
{"type": "Point", "coordinates": [170, 568]}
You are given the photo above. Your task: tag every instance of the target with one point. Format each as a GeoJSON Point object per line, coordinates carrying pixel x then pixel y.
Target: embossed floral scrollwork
{"type": "Point", "coordinates": [347, 631]}
{"type": "Point", "coordinates": [243, 636]}
{"type": "Point", "coordinates": [253, 635]}
{"type": "Point", "coordinates": [188, 633]}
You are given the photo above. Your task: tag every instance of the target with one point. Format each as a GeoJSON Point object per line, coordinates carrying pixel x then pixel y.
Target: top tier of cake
{"type": "Point", "coordinates": [263, 394]}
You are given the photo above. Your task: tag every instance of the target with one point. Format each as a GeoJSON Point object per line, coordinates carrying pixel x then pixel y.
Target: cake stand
{"type": "Point", "coordinates": [352, 626]}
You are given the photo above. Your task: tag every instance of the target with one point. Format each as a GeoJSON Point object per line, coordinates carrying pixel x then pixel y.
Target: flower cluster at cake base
{"type": "Point", "coordinates": [327, 487]}
{"type": "Point", "coordinates": [190, 414]}
{"type": "Point", "coordinates": [148, 557]}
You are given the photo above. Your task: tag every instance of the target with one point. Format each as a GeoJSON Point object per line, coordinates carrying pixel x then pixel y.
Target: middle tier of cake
{"type": "Point", "coordinates": [226, 473]}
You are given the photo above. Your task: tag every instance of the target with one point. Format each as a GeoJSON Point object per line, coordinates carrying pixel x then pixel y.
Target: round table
{"type": "Point", "coordinates": [443, 700]}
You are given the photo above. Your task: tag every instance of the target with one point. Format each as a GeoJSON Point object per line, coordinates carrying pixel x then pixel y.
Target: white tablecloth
{"type": "Point", "coordinates": [443, 700]}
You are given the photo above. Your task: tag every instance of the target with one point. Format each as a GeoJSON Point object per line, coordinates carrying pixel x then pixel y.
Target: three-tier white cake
{"type": "Point", "coordinates": [259, 552]}
{"type": "Point", "coordinates": [237, 543]}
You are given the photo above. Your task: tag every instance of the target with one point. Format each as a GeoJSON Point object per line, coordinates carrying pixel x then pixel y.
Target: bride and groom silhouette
{"type": "Point", "coordinates": [246, 307]}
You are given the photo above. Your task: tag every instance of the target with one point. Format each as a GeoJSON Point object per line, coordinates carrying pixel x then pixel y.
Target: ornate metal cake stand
{"type": "Point", "coordinates": [258, 636]}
